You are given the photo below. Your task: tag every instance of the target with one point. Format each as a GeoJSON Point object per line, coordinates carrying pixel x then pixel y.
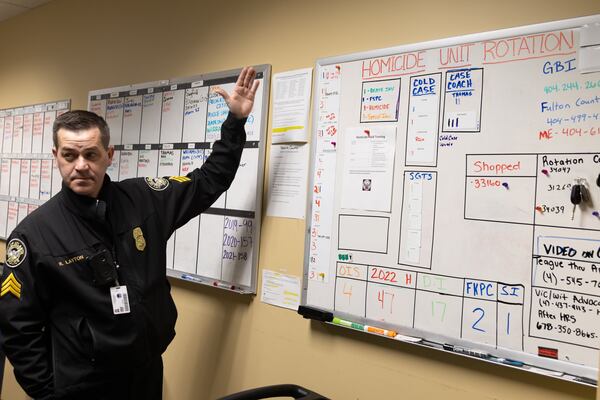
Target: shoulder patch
{"type": "Point", "coordinates": [15, 253]}
{"type": "Point", "coordinates": [179, 179]}
{"type": "Point", "coordinates": [157, 183]}
{"type": "Point", "coordinates": [11, 285]}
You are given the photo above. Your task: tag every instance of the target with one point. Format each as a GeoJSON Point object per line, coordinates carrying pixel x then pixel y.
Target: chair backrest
{"type": "Point", "coordinates": [267, 392]}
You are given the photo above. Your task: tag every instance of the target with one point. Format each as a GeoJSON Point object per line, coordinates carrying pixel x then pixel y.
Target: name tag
{"type": "Point", "coordinates": [120, 300]}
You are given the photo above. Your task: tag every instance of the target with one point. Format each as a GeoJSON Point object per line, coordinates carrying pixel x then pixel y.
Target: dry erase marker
{"type": "Point", "coordinates": [190, 278]}
{"type": "Point", "coordinates": [544, 371]}
{"type": "Point", "coordinates": [348, 324]}
{"type": "Point", "coordinates": [583, 379]}
{"type": "Point", "coordinates": [513, 363]}
{"type": "Point", "coordinates": [470, 352]}
{"type": "Point", "coordinates": [404, 338]}
{"type": "Point", "coordinates": [223, 285]}
{"type": "Point", "coordinates": [380, 331]}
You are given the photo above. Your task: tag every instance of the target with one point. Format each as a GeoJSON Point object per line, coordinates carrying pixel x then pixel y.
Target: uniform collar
{"type": "Point", "coordinates": [89, 207]}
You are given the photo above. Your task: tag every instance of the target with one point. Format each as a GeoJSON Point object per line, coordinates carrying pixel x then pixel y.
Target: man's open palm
{"type": "Point", "coordinates": [241, 99]}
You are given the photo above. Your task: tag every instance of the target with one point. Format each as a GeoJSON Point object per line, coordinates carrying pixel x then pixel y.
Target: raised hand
{"type": "Point", "coordinates": [241, 99]}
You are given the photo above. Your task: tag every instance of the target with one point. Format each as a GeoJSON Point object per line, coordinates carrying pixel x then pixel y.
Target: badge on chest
{"type": "Point", "coordinates": [138, 236]}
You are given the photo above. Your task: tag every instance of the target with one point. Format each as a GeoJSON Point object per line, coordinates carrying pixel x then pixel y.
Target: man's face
{"type": "Point", "coordinates": [82, 160]}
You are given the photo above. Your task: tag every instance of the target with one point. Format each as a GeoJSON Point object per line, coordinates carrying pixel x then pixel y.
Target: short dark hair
{"type": "Point", "coordinates": [78, 120]}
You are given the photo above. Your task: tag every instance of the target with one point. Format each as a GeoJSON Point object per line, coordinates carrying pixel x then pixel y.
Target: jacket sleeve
{"type": "Point", "coordinates": [23, 320]}
{"type": "Point", "coordinates": [183, 199]}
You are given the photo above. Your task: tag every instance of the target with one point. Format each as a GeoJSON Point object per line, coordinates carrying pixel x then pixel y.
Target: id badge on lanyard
{"type": "Point", "coordinates": [120, 300]}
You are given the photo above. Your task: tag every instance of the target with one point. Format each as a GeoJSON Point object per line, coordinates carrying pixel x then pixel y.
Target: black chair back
{"type": "Point", "coordinates": [267, 392]}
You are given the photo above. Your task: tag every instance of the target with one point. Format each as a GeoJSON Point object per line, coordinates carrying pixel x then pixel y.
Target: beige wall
{"type": "Point", "coordinates": [227, 342]}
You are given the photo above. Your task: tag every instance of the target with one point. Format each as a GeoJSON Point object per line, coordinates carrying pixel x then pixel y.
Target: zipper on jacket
{"type": "Point", "coordinates": [113, 250]}
{"type": "Point", "coordinates": [116, 263]}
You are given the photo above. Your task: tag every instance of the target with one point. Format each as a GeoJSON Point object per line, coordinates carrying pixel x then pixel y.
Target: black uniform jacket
{"type": "Point", "coordinates": [57, 328]}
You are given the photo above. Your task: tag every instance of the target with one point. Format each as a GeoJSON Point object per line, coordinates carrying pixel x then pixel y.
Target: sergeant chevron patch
{"type": "Point", "coordinates": [11, 285]}
{"type": "Point", "coordinates": [180, 179]}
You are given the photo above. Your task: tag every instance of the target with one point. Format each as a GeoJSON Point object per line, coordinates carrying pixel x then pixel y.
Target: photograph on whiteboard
{"type": "Point", "coordinates": [368, 168]}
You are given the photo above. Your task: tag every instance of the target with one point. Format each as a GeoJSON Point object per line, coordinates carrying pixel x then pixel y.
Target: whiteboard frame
{"type": "Point", "coordinates": [265, 69]}
{"type": "Point", "coordinates": [572, 372]}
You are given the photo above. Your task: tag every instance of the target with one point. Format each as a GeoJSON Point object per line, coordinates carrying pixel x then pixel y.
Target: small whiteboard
{"type": "Point", "coordinates": [28, 174]}
{"type": "Point", "coordinates": [167, 128]}
{"type": "Point", "coordinates": [441, 181]}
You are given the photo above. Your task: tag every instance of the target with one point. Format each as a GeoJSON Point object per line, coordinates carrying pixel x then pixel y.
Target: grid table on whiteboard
{"type": "Point", "coordinates": [28, 173]}
{"type": "Point", "coordinates": [167, 128]}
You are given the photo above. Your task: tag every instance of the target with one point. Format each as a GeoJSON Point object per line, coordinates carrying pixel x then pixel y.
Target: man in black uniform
{"type": "Point", "coordinates": [85, 306]}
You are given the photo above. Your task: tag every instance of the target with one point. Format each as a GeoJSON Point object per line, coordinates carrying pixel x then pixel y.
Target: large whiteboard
{"type": "Point", "coordinates": [441, 179]}
{"type": "Point", "coordinates": [28, 174]}
{"type": "Point", "coordinates": [167, 128]}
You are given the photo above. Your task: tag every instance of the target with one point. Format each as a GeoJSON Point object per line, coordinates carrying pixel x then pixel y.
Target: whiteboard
{"type": "Point", "coordinates": [167, 128]}
{"type": "Point", "coordinates": [441, 181]}
{"type": "Point", "coordinates": [28, 174]}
